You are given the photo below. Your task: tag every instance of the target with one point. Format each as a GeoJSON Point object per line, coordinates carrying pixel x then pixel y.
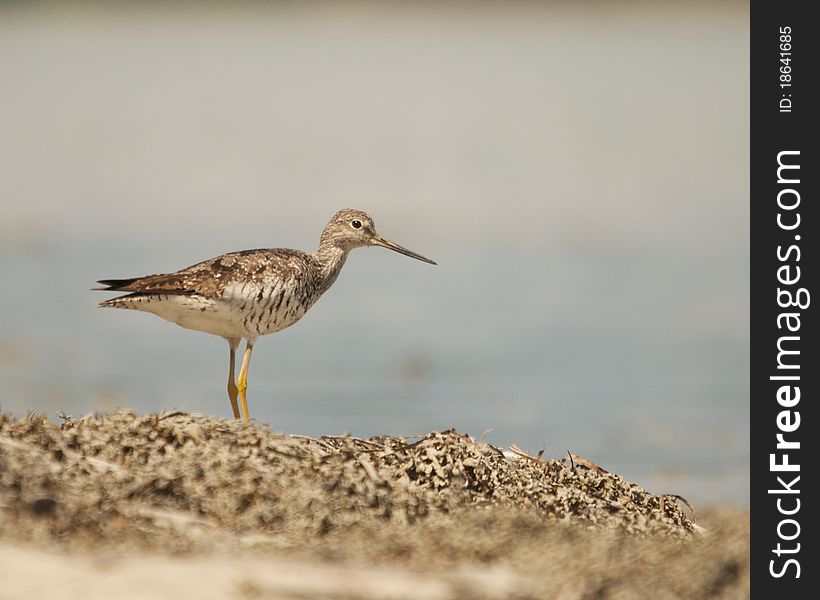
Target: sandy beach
{"type": "Point", "coordinates": [579, 172]}
{"type": "Point", "coordinates": [176, 504]}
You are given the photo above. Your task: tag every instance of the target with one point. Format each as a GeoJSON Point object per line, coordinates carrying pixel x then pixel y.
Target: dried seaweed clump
{"type": "Point", "coordinates": [186, 477]}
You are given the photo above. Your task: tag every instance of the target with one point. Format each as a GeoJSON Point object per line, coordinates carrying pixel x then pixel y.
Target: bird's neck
{"type": "Point", "coordinates": [331, 259]}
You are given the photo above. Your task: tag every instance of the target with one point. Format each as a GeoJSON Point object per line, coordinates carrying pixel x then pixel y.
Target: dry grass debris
{"type": "Point", "coordinates": [195, 485]}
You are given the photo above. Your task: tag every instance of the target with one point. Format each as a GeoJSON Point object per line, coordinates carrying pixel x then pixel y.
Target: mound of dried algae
{"type": "Point", "coordinates": [194, 485]}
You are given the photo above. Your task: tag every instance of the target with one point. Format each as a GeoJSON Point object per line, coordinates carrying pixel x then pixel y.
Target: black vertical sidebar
{"type": "Point", "coordinates": [785, 226]}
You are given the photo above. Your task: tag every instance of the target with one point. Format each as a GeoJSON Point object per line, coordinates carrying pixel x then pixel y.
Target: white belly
{"type": "Point", "coordinates": [218, 317]}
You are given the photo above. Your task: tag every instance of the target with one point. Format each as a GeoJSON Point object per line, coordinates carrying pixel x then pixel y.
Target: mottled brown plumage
{"type": "Point", "coordinates": [209, 278]}
{"type": "Point", "coordinates": [250, 293]}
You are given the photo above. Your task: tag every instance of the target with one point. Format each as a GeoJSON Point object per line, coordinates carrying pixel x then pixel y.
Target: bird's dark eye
{"type": "Point", "coordinates": [356, 224]}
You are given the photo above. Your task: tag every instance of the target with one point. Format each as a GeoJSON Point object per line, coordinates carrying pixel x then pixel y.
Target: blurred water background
{"type": "Point", "coordinates": [580, 173]}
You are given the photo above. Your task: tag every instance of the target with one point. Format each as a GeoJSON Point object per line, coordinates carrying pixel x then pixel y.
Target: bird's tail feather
{"type": "Point", "coordinates": [114, 284]}
{"type": "Point", "coordinates": [127, 301]}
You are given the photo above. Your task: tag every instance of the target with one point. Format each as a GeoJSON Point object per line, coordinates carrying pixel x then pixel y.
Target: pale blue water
{"type": "Point", "coordinates": [580, 176]}
{"type": "Point", "coordinates": [539, 347]}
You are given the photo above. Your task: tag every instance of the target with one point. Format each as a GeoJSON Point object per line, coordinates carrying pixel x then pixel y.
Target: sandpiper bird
{"type": "Point", "coordinates": [250, 293]}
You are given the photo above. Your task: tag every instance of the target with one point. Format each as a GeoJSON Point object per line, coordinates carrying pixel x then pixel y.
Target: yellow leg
{"type": "Point", "coordinates": [242, 381]}
{"type": "Point", "coordinates": [232, 389]}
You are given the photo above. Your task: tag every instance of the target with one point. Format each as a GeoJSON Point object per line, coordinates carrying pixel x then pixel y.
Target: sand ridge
{"type": "Point", "coordinates": [120, 484]}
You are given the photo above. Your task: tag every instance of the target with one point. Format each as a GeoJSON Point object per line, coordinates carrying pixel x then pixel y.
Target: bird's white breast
{"type": "Point", "coordinates": [232, 316]}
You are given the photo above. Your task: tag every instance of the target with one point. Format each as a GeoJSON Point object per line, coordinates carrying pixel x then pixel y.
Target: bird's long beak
{"type": "Point", "coordinates": [380, 241]}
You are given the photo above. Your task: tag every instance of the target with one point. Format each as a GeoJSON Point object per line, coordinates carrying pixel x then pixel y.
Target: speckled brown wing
{"type": "Point", "coordinates": [209, 278]}
{"type": "Point", "coordinates": [182, 282]}
{"type": "Point", "coordinates": [168, 283]}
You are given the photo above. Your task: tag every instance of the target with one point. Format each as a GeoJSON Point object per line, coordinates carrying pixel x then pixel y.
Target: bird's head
{"type": "Point", "coordinates": [350, 228]}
